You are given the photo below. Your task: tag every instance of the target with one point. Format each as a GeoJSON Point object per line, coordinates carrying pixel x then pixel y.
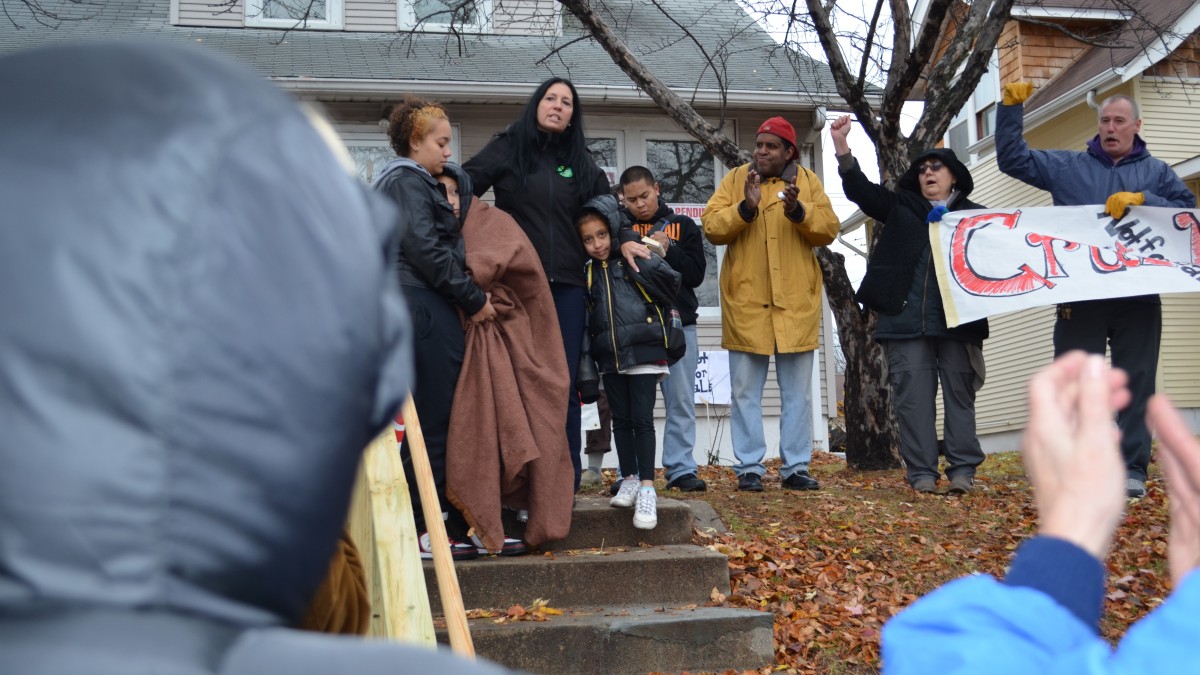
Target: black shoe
{"type": "Point", "coordinates": [961, 485]}
{"type": "Point", "coordinates": [688, 482]}
{"type": "Point", "coordinates": [615, 487]}
{"type": "Point", "coordinates": [800, 481]}
{"type": "Point", "coordinates": [1135, 488]}
{"type": "Point", "coordinates": [750, 482]}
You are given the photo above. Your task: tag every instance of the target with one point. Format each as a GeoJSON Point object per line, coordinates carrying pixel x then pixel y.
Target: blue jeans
{"type": "Point", "coordinates": [572, 320]}
{"type": "Point", "coordinates": [679, 399]}
{"type": "Point", "coordinates": [748, 376]}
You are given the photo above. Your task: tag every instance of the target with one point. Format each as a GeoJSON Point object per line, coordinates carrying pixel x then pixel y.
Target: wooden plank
{"type": "Point", "coordinates": [398, 593]}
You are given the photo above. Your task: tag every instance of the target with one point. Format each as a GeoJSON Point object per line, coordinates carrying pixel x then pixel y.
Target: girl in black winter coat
{"type": "Point", "coordinates": [432, 266]}
{"type": "Point", "coordinates": [628, 315]}
{"type": "Point", "coordinates": [901, 284]}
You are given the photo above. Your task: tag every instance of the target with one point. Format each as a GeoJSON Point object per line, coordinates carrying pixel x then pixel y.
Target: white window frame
{"type": "Point", "coordinates": [406, 20]}
{"type": "Point", "coordinates": [334, 10]}
{"type": "Point", "coordinates": [972, 108]}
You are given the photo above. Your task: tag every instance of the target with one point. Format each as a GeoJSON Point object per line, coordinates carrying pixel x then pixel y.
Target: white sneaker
{"type": "Point", "coordinates": [627, 494]}
{"type": "Point", "coordinates": [645, 515]}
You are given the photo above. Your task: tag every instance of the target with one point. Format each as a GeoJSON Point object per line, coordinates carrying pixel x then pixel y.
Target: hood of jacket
{"type": "Point", "coordinates": [209, 335]}
{"type": "Point", "coordinates": [608, 209]}
{"type": "Point", "coordinates": [963, 183]}
{"type": "Point", "coordinates": [455, 171]}
{"type": "Point", "coordinates": [1138, 151]}
{"type": "Point", "coordinates": [397, 164]}
{"type": "Point", "coordinates": [463, 179]}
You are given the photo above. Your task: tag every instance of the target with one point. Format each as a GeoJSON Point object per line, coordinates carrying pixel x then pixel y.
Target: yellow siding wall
{"type": "Point", "coordinates": [1169, 118]}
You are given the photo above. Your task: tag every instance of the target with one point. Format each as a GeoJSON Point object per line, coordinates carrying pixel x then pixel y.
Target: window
{"type": "Point", "coordinates": [441, 15]}
{"type": "Point", "coordinates": [605, 151]}
{"type": "Point", "coordinates": [371, 151]}
{"type": "Point", "coordinates": [685, 171]}
{"type": "Point", "coordinates": [687, 176]}
{"type": "Point", "coordinates": [959, 135]}
{"type": "Point", "coordinates": [369, 159]}
{"type": "Point", "coordinates": [571, 25]}
{"type": "Point", "coordinates": [977, 119]}
{"type": "Point", "coordinates": [292, 14]}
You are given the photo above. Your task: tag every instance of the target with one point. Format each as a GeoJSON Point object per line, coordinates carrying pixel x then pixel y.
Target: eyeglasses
{"type": "Point", "coordinates": [931, 166]}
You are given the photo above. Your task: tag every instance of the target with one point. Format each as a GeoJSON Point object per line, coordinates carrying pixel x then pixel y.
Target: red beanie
{"type": "Point", "coordinates": [779, 127]}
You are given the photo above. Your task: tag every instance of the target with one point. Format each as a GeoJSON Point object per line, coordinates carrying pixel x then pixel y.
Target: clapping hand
{"type": "Point", "coordinates": [1071, 450]}
{"type": "Point", "coordinates": [1179, 454]}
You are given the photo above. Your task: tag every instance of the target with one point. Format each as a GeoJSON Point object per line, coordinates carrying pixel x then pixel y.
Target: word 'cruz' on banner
{"type": "Point", "coordinates": [991, 261]}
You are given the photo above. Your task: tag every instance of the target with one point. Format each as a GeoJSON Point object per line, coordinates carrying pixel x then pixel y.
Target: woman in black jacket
{"type": "Point", "coordinates": [542, 175]}
{"type": "Point", "coordinates": [901, 284]}
{"type": "Point", "coordinates": [433, 274]}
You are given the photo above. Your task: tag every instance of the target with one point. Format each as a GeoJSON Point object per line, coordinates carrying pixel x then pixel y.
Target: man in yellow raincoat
{"type": "Point", "coordinates": [771, 214]}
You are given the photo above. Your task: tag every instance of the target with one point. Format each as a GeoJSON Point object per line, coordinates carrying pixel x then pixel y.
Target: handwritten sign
{"type": "Point", "coordinates": [998, 260]}
{"type": "Point", "coordinates": [712, 378]}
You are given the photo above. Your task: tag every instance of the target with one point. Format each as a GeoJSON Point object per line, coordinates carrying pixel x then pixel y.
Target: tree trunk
{"type": "Point", "coordinates": [872, 441]}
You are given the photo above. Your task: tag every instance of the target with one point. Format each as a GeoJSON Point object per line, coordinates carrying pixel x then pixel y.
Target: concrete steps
{"type": "Point", "coordinates": [630, 639]}
{"type": "Point", "coordinates": [633, 600]}
{"type": "Point", "coordinates": [675, 574]}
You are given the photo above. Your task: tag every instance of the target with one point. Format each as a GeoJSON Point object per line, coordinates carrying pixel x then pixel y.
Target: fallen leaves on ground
{"type": "Point", "coordinates": [834, 565]}
{"type": "Point", "coordinates": [539, 610]}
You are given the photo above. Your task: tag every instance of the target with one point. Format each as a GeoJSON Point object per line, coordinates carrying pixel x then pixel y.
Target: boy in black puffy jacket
{"type": "Point", "coordinates": [627, 333]}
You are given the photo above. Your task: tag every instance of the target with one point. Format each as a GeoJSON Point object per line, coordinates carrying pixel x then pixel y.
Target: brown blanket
{"type": "Point", "coordinates": [507, 442]}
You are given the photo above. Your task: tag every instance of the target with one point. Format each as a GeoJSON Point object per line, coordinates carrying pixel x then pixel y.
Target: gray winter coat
{"type": "Point", "coordinates": [199, 334]}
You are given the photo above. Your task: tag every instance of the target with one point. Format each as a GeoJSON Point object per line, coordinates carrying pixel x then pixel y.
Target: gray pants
{"type": "Point", "coordinates": [915, 366]}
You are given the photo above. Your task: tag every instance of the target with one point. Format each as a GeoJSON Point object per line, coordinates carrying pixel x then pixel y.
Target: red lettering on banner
{"type": "Point", "coordinates": [1102, 266]}
{"type": "Point", "coordinates": [1053, 269]}
{"type": "Point", "coordinates": [1124, 260]}
{"type": "Point", "coordinates": [1187, 221]}
{"type": "Point", "coordinates": [1024, 281]}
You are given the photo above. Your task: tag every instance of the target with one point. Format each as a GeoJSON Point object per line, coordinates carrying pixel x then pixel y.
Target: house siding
{"type": "Point", "coordinates": [210, 13]}
{"type": "Point", "coordinates": [509, 17]}
{"type": "Point", "coordinates": [370, 15]}
{"type": "Point", "coordinates": [1169, 124]}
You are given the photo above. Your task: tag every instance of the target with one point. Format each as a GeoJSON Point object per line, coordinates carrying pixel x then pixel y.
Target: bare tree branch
{"type": "Point", "coordinates": [711, 137]}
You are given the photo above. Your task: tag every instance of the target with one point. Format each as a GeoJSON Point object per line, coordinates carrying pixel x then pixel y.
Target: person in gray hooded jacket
{"type": "Point", "coordinates": [200, 334]}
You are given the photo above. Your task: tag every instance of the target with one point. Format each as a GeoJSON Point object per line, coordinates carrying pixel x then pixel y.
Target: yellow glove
{"type": "Point", "coordinates": [1119, 203]}
{"type": "Point", "coordinates": [1017, 92]}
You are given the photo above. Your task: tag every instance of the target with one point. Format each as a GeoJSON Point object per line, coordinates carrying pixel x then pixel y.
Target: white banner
{"type": "Point", "coordinates": [712, 378]}
{"type": "Point", "coordinates": [998, 260]}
